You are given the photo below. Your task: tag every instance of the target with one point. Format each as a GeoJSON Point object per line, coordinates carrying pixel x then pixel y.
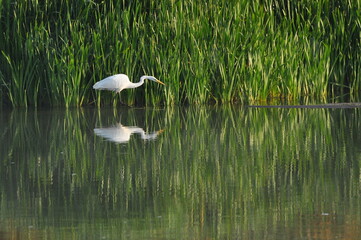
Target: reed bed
{"type": "Point", "coordinates": [51, 53]}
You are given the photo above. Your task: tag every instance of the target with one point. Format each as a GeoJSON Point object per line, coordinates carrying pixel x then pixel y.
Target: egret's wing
{"type": "Point", "coordinates": [108, 83]}
{"type": "Point", "coordinates": [113, 134]}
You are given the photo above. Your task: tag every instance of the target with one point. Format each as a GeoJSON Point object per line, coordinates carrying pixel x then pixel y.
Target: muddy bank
{"type": "Point", "coordinates": [328, 105]}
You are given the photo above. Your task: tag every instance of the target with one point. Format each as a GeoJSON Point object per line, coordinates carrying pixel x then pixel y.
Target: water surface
{"type": "Point", "coordinates": [180, 173]}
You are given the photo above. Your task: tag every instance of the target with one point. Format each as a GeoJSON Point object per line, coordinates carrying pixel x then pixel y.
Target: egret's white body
{"type": "Point", "coordinates": [119, 82]}
{"type": "Point", "coordinates": [121, 134]}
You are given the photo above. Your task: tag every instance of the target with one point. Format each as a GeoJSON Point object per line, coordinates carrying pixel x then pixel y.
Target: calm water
{"type": "Point", "coordinates": [180, 173]}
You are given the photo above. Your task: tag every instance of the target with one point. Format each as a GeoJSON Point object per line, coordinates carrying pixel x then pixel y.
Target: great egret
{"type": "Point", "coordinates": [119, 82]}
{"type": "Point", "coordinates": [121, 134]}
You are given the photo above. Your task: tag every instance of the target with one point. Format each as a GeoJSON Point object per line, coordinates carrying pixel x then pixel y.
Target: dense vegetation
{"type": "Point", "coordinates": [52, 52]}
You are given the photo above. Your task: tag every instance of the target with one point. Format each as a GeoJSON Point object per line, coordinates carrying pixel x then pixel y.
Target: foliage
{"type": "Point", "coordinates": [206, 51]}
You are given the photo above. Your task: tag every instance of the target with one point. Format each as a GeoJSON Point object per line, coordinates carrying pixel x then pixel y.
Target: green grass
{"type": "Point", "coordinates": [206, 51]}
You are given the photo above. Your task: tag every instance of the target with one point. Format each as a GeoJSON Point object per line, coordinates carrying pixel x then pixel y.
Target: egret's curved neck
{"type": "Point", "coordinates": [140, 83]}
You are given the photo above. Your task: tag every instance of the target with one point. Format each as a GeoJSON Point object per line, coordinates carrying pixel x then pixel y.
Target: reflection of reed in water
{"type": "Point", "coordinates": [121, 134]}
{"type": "Point", "coordinates": [240, 172]}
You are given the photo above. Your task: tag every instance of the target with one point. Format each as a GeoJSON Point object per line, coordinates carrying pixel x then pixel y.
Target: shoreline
{"type": "Point", "coordinates": [327, 105]}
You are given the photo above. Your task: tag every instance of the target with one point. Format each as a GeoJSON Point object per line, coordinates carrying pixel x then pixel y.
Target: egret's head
{"type": "Point", "coordinates": [153, 79]}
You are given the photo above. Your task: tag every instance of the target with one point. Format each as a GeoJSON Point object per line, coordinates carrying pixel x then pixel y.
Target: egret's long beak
{"type": "Point", "coordinates": [160, 131]}
{"type": "Point", "coordinates": [160, 82]}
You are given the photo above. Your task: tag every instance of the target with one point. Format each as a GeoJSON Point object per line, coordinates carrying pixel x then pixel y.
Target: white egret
{"type": "Point", "coordinates": [121, 134]}
{"type": "Point", "coordinates": [119, 82]}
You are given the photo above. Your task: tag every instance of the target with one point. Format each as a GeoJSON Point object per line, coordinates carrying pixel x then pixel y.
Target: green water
{"type": "Point", "coordinates": [194, 173]}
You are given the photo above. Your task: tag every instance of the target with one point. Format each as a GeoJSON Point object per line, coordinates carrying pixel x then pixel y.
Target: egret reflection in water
{"type": "Point", "coordinates": [121, 134]}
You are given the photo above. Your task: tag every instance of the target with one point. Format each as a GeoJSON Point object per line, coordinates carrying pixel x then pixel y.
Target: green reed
{"type": "Point", "coordinates": [208, 51]}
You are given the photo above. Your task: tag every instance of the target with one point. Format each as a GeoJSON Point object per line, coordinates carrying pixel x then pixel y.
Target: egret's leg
{"type": "Point", "coordinates": [121, 102]}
